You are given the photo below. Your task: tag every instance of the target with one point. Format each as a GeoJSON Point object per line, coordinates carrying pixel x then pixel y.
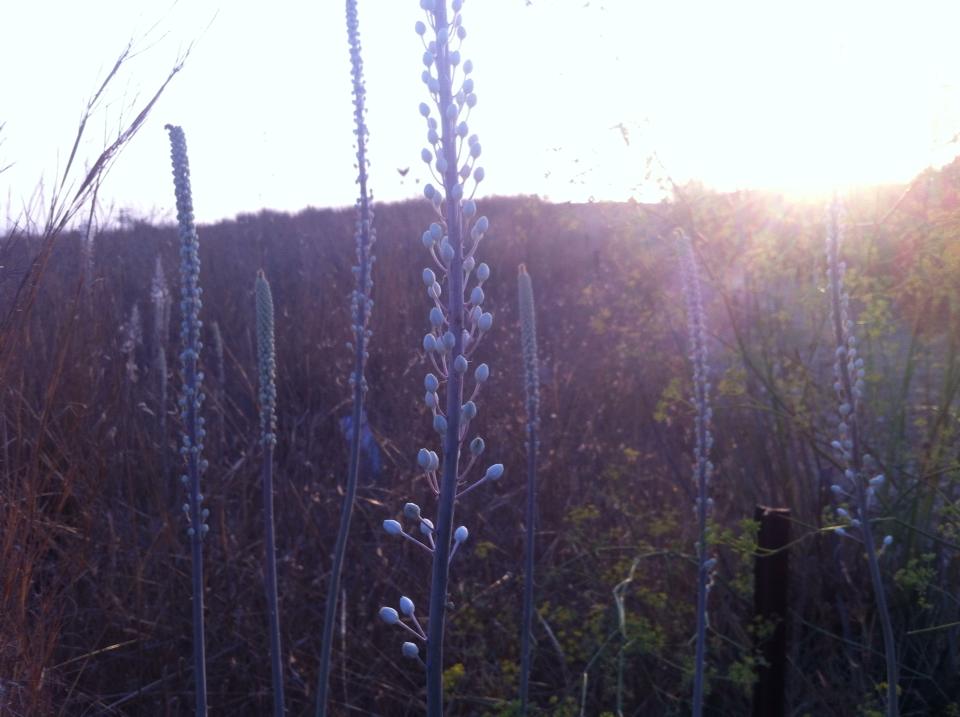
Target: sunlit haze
{"type": "Point", "coordinates": [575, 97]}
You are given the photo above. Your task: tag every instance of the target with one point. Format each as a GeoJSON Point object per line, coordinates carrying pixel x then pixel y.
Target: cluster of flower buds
{"type": "Point", "coordinates": [390, 616]}
{"type": "Point", "coordinates": [454, 282]}
{"type": "Point", "coordinates": [361, 305]}
{"type": "Point", "coordinates": [856, 494]}
{"type": "Point", "coordinates": [703, 437]}
{"type": "Point", "coordinates": [190, 327]}
{"type": "Point", "coordinates": [425, 526]}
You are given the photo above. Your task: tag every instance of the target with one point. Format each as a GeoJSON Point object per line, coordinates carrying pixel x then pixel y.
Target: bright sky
{"type": "Point", "coordinates": [793, 96]}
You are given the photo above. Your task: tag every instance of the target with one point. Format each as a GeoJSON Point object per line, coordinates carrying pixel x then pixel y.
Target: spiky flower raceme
{"type": "Point", "coordinates": [703, 441]}
{"type": "Point", "coordinates": [266, 360]}
{"type": "Point", "coordinates": [267, 369]}
{"type": "Point", "coordinates": [192, 398]}
{"type": "Point", "coordinates": [361, 303]}
{"type": "Point", "coordinates": [531, 382]}
{"type": "Point", "coordinates": [457, 319]}
{"type": "Point", "coordinates": [860, 480]}
{"type": "Point", "coordinates": [528, 340]}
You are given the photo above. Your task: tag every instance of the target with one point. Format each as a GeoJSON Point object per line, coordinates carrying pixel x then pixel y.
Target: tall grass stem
{"type": "Point", "coordinates": [531, 383]}
{"type": "Point", "coordinates": [267, 365]}
{"type": "Point", "coordinates": [702, 467]}
{"type": "Point", "coordinates": [190, 402]}
{"type": "Point", "coordinates": [361, 305]}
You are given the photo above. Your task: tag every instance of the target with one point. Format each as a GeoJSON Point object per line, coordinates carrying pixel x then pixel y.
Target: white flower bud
{"type": "Point", "coordinates": [429, 278]}
{"type": "Point", "coordinates": [483, 271]}
{"type": "Point", "coordinates": [406, 606]}
{"type": "Point", "coordinates": [477, 445]}
{"type": "Point", "coordinates": [460, 364]}
{"type": "Point", "coordinates": [423, 459]}
{"type": "Point", "coordinates": [887, 541]}
{"type": "Point", "coordinates": [411, 511]}
{"type": "Point", "coordinates": [486, 321]}
{"type": "Point", "coordinates": [439, 424]}
{"type": "Point", "coordinates": [461, 534]}
{"type": "Point", "coordinates": [482, 373]}
{"type": "Point", "coordinates": [494, 472]}
{"type": "Point", "coordinates": [410, 650]}
{"type": "Point", "coordinates": [389, 615]}
{"type": "Point", "coordinates": [430, 382]}
{"type": "Point", "coordinates": [436, 316]}
{"type": "Point", "coordinates": [476, 296]}
{"type": "Point", "coordinates": [392, 527]}
{"type": "Point", "coordinates": [426, 526]}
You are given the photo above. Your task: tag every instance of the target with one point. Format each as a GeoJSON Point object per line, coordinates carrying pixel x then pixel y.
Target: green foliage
{"type": "Point", "coordinates": [915, 578]}
{"type": "Point", "coordinates": [614, 475]}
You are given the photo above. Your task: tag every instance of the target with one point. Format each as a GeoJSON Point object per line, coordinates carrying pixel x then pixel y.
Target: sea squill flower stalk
{"type": "Point", "coordinates": [703, 441]}
{"type": "Point", "coordinates": [857, 490]}
{"type": "Point", "coordinates": [531, 384]}
{"type": "Point", "coordinates": [267, 369]}
{"type": "Point", "coordinates": [457, 325]}
{"type": "Point", "coordinates": [361, 305]}
{"type": "Point", "coordinates": [192, 398]}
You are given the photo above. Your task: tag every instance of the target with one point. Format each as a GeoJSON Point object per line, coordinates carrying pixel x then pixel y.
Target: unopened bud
{"type": "Point", "coordinates": [392, 527]}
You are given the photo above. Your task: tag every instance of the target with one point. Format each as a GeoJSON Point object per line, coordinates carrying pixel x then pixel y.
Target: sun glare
{"type": "Point", "coordinates": [582, 99]}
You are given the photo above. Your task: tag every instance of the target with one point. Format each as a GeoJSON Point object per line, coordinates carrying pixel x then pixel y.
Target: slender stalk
{"type": "Point", "coordinates": [266, 360]}
{"type": "Point", "coordinates": [528, 338]}
{"type": "Point", "coordinates": [849, 391]}
{"type": "Point", "coordinates": [192, 398]}
{"type": "Point", "coordinates": [702, 467]}
{"type": "Point", "coordinates": [361, 305]}
{"type": "Point", "coordinates": [451, 447]}
{"type": "Point", "coordinates": [456, 326]}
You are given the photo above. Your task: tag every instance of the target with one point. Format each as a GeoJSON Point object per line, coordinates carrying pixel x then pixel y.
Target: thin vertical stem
{"type": "Point", "coordinates": [192, 396]}
{"type": "Point", "coordinates": [846, 343]}
{"type": "Point", "coordinates": [361, 305]}
{"type": "Point", "coordinates": [528, 338]}
{"type": "Point", "coordinates": [451, 449]}
{"type": "Point", "coordinates": [270, 571]}
{"type": "Point", "coordinates": [267, 369]}
{"type": "Point", "coordinates": [702, 467]}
